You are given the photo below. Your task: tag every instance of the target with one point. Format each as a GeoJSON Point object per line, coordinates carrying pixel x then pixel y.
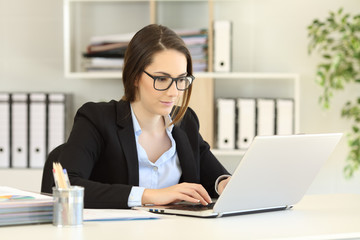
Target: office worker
{"type": "Point", "coordinates": [143, 149]}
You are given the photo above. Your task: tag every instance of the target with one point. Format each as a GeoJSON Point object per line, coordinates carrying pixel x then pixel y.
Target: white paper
{"type": "Point", "coordinates": [117, 215]}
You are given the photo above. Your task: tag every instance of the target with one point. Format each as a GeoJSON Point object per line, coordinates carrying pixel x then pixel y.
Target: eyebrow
{"type": "Point", "coordinates": [167, 74]}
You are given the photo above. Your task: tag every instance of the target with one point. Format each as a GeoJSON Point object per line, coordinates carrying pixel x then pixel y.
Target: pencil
{"type": "Point", "coordinates": [55, 178]}
{"type": "Point", "coordinates": [60, 175]}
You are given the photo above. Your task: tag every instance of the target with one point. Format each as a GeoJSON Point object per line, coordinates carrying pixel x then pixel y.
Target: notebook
{"type": "Point", "coordinates": [274, 174]}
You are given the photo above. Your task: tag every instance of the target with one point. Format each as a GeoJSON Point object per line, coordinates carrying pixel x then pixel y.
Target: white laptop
{"type": "Point", "coordinates": [274, 174]}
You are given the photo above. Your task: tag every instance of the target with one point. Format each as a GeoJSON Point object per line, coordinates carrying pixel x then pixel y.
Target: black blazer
{"type": "Point", "coordinates": [101, 154]}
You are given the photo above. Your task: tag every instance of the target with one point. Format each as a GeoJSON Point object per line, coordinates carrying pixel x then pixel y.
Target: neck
{"type": "Point", "coordinates": [147, 121]}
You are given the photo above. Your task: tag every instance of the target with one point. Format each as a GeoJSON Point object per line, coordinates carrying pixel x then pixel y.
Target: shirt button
{"type": "Point", "coordinates": [155, 168]}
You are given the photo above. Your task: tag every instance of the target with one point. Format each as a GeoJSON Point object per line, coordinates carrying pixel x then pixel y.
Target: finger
{"type": "Point", "coordinates": [198, 192]}
{"type": "Point", "coordinates": [202, 191]}
{"type": "Point", "coordinates": [194, 194]}
{"type": "Point", "coordinates": [187, 198]}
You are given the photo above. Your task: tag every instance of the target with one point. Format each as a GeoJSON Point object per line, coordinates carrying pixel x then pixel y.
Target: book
{"type": "Point", "coordinates": [22, 207]}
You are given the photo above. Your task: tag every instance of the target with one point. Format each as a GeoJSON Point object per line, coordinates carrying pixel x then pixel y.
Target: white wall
{"type": "Point", "coordinates": [271, 37]}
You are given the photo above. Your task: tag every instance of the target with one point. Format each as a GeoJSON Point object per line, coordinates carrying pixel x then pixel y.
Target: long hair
{"type": "Point", "coordinates": [139, 54]}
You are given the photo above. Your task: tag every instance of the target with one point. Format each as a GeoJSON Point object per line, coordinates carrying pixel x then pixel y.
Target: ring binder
{"type": "Point", "coordinates": [19, 130]}
{"type": "Point", "coordinates": [4, 130]}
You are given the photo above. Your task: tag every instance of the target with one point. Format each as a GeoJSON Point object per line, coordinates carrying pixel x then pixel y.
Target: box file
{"type": "Point", "coordinates": [56, 120]}
{"type": "Point", "coordinates": [19, 130]}
{"type": "Point", "coordinates": [225, 123]}
{"type": "Point", "coordinates": [284, 116]}
{"type": "Point", "coordinates": [246, 125]}
{"type": "Point", "coordinates": [4, 130]}
{"type": "Point", "coordinates": [222, 46]}
{"type": "Point", "coordinates": [37, 131]}
{"type": "Point", "coordinates": [265, 116]}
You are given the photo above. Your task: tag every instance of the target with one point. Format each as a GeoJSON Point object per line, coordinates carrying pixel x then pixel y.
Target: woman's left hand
{"type": "Point", "coordinates": [222, 185]}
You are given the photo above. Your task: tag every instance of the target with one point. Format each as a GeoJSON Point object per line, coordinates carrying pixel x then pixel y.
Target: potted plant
{"type": "Point", "coordinates": [337, 40]}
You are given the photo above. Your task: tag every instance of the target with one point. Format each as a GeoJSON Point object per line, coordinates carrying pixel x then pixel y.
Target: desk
{"type": "Point", "coordinates": [314, 217]}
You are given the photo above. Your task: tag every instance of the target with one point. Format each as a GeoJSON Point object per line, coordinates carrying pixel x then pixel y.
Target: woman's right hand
{"type": "Point", "coordinates": [190, 192]}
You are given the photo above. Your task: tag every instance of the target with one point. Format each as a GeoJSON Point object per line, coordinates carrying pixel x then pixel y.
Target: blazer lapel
{"type": "Point", "coordinates": [186, 158]}
{"type": "Point", "coordinates": [127, 140]}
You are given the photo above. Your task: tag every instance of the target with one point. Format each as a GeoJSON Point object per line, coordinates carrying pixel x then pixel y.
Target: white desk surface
{"type": "Point", "coordinates": [314, 217]}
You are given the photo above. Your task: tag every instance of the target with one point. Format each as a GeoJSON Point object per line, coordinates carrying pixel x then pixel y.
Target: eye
{"type": "Point", "coordinates": [162, 79]}
{"type": "Point", "coordinates": [182, 79]}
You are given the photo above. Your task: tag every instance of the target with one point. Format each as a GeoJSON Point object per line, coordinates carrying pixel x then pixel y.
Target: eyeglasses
{"type": "Point", "coordinates": [162, 83]}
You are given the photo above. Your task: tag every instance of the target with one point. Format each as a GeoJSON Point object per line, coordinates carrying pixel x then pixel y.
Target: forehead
{"type": "Point", "coordinates": [169, 60]}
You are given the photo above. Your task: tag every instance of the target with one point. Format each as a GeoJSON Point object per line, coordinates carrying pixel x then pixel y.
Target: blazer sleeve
{"type": "Point", "coordinates": [81, 154]}
{"type": "Point", "coordinates": [209, 166]}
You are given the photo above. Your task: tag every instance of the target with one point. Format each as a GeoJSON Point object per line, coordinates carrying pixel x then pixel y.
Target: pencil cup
{"type": "Point", "coordinates": [68, 206]}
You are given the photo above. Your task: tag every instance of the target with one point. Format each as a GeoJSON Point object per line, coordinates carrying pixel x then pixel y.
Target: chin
{"type": "Point", "coordinates": [165, 111]}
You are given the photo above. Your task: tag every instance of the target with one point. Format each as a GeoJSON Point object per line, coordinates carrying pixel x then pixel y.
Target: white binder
{"type": "Point", "coordinates": [222, 46]}
{"type": "Point", "coordinates": [246, 122]}
{"type": "Point", "coordinates": [265, 117]}
{"type": "Point", "coordinates": [56, 120]}
{"type": "Point", "coordinates": [37, 131]}
{"type": "Point", "coordinates": [19, 131]}
{"type": "Point", "coordinates": [284, 116]}
{"type": "Point", "coordinates": [226, 123]}
{"type": "Point", "coordinates": [4, 130]}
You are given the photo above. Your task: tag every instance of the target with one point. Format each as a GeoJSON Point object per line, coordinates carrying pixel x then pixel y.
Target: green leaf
{"type": "Point", "coordinates": [344, 19]}
{"type": "Point", "coordinates": [355, 129]}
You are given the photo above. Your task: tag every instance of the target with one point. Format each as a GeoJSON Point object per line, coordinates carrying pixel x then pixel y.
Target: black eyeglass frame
{"type": "Point", "coordinates": [172, 80]}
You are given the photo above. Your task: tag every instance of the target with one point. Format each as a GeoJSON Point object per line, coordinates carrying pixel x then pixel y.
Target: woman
{"type": "Point", "coordinates": [142, 149]}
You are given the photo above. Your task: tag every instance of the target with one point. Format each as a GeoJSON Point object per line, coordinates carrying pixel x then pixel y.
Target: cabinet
{"type": "Point", "coordinates": [86, 18]}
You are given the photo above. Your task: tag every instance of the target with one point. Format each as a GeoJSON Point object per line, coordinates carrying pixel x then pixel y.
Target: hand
{"type": "Point", "coordinates": [190, 192]}
{"type": "Point", "coordinates": [223, 184]}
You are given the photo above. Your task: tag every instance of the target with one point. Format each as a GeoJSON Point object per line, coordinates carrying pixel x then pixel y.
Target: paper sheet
{"type": "Point", "coordinates": [117, 215]}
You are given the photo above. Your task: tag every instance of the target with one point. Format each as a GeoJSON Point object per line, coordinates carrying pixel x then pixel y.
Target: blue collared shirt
{"type": "Point", "coordinates": [165, 172]}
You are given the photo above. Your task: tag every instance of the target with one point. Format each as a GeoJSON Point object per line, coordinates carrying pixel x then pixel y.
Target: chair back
{"type": "Point", "coordinates": [47, 182]}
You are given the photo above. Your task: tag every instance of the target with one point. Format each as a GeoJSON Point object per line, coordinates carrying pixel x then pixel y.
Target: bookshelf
{"type": "Point", "coordinates": [83, 19]}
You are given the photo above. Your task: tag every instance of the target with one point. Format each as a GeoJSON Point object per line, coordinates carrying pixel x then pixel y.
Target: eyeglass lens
{"type": "Point", "coordinates": [162, 83]}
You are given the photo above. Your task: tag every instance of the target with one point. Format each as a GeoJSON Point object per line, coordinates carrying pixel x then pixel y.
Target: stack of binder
{"type": "Point", "coordinates": [20, 207]}
{"type": "Point", "coordinates": [240, 120]}
{"type": "Point", "coordinates": [31, 126]}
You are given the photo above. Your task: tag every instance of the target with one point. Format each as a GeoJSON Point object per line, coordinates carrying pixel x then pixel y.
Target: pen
{"type": "Point", "coordinates": [66, 177]}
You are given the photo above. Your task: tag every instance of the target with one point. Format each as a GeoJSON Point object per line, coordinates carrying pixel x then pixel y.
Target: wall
{"type": "Point", "coordinates": [271, 37]}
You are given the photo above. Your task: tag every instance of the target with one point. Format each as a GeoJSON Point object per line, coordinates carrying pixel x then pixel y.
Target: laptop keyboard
{"type": "Point", "coordinates": [194, 207]}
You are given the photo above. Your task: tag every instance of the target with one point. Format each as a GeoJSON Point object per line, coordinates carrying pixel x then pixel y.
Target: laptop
{"type": "Point", "coordinates": [274, 174]}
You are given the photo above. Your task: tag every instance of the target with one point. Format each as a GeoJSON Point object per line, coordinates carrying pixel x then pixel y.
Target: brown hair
{"type": "Point", "coordinates": [139, 53]}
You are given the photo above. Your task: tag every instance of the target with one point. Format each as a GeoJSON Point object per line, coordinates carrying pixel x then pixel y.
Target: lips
{"type": "Point", "coordinates": [167, 103]}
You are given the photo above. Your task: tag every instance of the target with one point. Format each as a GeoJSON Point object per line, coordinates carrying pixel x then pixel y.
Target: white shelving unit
{"type": "Point", "coordinates": [210, 81]}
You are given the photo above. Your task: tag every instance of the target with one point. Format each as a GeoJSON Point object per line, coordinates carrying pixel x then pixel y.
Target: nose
{"type": "Point", "coordinates": [172, 90]}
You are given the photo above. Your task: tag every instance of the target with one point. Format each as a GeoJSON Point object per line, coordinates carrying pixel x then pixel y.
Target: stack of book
{"type": "Point", "coordinates": [20, 207]}
{"type": "Point", "coordinates": [106, 53]}
{"type": "Point", "coordinates": [196, 41]}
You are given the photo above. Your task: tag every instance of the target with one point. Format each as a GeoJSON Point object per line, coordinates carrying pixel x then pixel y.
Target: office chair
{"type": "Point", "coordinates": [47, 178]}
